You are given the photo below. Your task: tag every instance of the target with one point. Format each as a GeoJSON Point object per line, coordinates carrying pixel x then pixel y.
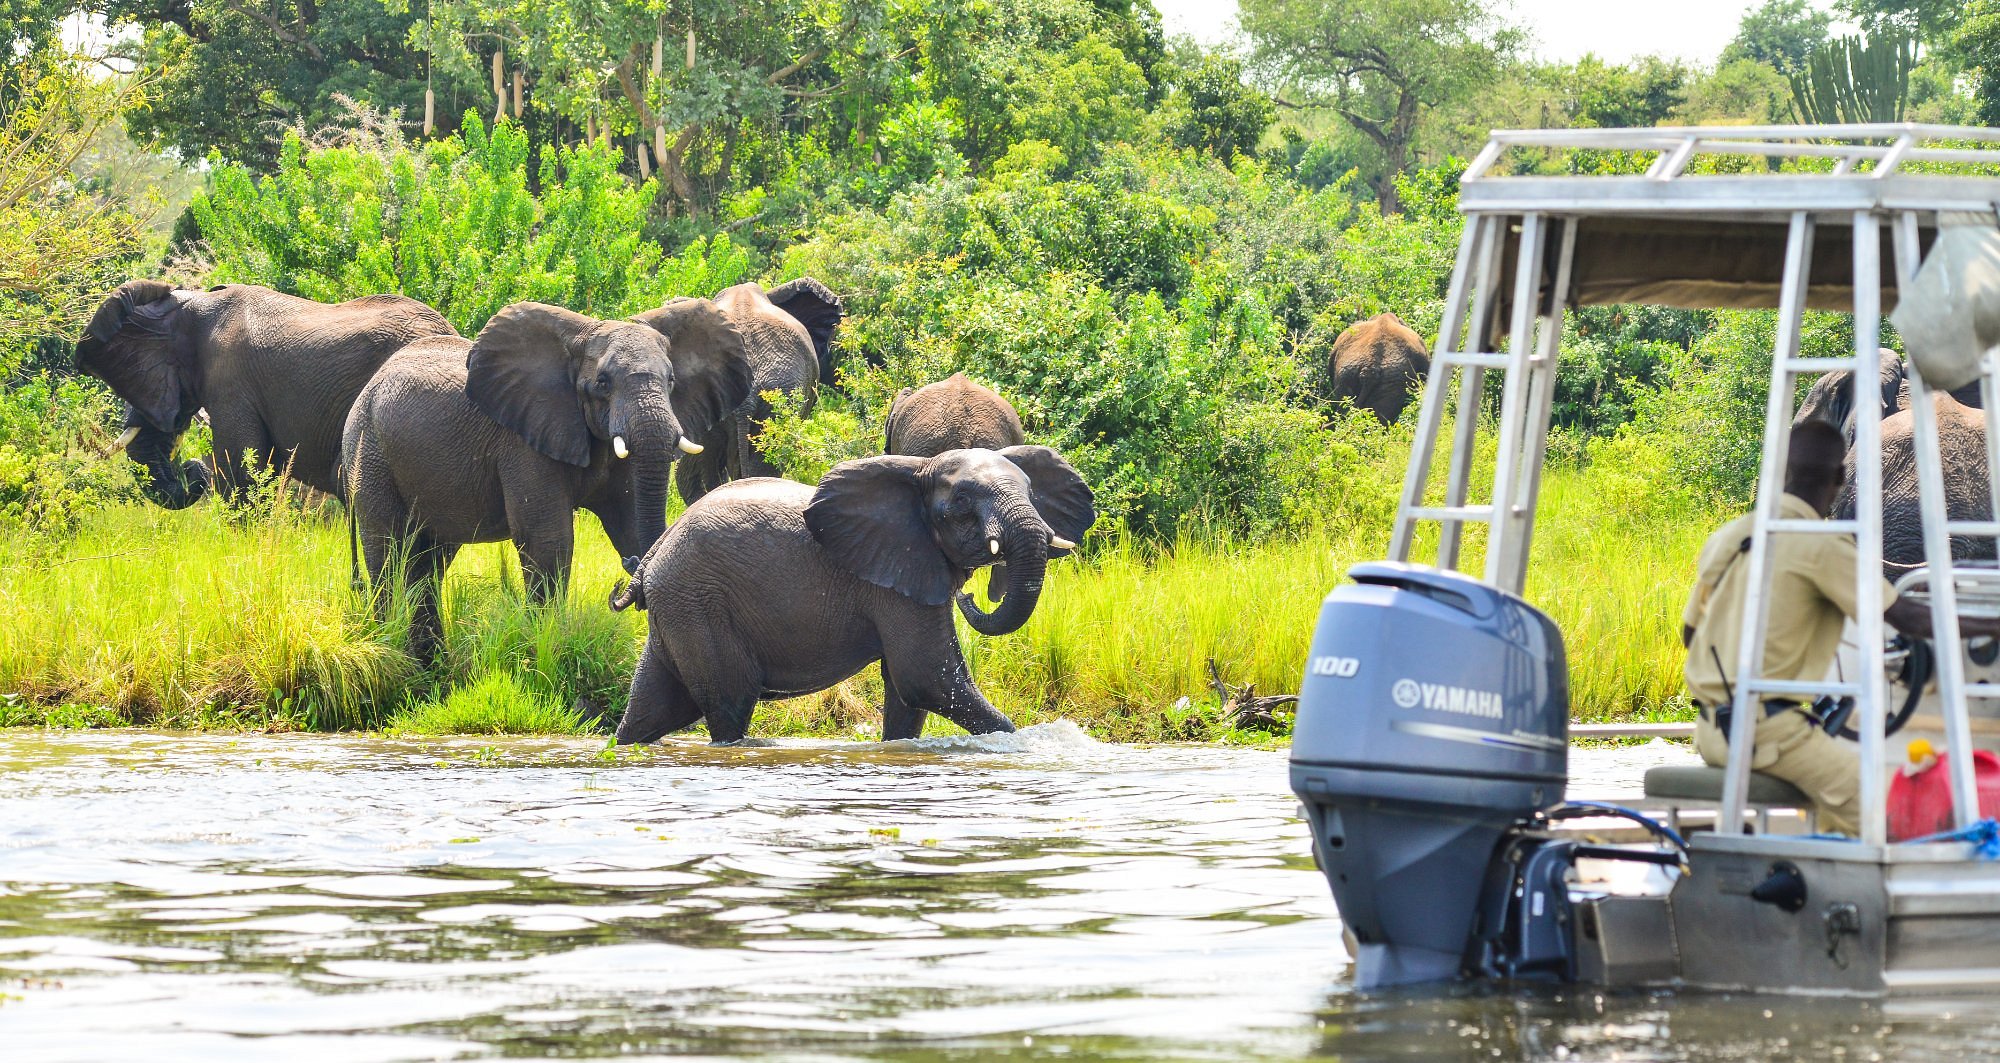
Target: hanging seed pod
{"type": "Point", "coordinates": [690, 64]}
{"type": "Point", "coordinates": [659, 53]}
{"type": "Point", "coordinates": [639, 152]}
{"type": "Point", "coordinates": [499, 86]}
{"type": "Point", "coordinates": [520, 89]}
{"type": "Point", "coordinates": [430, 111]}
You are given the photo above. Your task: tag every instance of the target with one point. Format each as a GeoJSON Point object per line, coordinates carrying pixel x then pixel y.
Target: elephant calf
{"type": "Point", "coordinates": [772, 589]}
{"type": "Point", "coordinates": [507, 435]}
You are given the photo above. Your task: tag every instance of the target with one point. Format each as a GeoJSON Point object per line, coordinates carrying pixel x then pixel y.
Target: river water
{"type": "Point", "coordinates": [296, 898]}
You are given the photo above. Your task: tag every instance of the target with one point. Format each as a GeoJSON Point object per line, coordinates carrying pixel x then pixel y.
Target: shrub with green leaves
{"type": "Point", "coordinates": [453, 223]}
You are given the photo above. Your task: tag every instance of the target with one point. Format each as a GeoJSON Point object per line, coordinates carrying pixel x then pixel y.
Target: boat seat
{"type": "Point", "coordinates": [1700, 786]}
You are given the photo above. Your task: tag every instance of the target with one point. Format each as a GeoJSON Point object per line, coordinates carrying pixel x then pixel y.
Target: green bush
{"type": "Point", "coordinates": [454, 224]}
{"type": "Point", "coordinates": [56, 463]}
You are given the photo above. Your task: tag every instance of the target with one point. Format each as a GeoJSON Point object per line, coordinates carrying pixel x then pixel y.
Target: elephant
{"type": "Point", "coordinates": [1376, 364]}
{"type": "Point", "coordinates": [275, 372]}
{"type": "Point", "coordinates": [1961, 448]}
{"type": "Point", "coordinates": [772, 589]}
{"type": "Point", "coordinates": [953, 414]}
{"type": "Point", "coordinates": [505, 436]}
{"type": "Point", "coordinates": [788, 337]}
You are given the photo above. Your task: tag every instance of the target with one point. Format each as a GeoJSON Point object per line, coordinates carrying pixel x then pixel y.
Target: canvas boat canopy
{"type": "Point", "coordinates": [1717, 240]}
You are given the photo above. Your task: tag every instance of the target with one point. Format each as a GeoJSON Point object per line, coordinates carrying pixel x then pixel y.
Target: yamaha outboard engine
{"type": "Point", "coordinates": [1433, 718]}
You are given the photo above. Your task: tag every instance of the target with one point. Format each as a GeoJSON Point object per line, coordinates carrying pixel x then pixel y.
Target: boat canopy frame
{"type": "Point", "coordinates": [1536, 245]}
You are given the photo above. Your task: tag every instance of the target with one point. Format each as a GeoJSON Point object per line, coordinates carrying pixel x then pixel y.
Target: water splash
{"type": "Point", "coordinates": [1059, 736]}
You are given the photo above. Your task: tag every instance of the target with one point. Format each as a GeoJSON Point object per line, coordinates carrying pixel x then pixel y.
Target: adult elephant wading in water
{"type": "Point", "coordinates": [1961, 446]}
{"type": "Point", "coordinates": [953, 414]}
{"type": "Point", "coordinates": [506, 436]}
{"type": "Point", "coordinates": [276, 374]}
{"type": "Point", "coordinates": [1375, 366]}
{"type": "Point", "coordinates": [788, 338]}
{"type": "Point", "coordinates": [772, 589]}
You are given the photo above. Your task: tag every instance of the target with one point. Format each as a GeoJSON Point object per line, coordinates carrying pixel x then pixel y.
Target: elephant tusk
{"type": "Point", "coordinates": [1061, 543]}
{"type": "Point", "coordinates": [993, 545]}
{"type": "Point", "coordinates": [124, 439]}
{"type": "Point", "coordinates": [689, 446]}
{"type": "Point", "coordinates": [618, 447]}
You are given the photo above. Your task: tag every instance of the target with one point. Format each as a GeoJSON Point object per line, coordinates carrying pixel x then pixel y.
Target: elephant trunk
{"type": "Point", "coordinates": [1024, 549]}
{"type": "Point", "coordinates": [169, 485]}
{"type": "Point", "coordinates": [652, 437]}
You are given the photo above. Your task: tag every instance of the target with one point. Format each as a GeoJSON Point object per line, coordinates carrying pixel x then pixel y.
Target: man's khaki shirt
{"type": "Point", "coordinates": [1812, 592]}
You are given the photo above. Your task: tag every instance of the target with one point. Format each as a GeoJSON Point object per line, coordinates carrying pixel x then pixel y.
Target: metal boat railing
{"type": "Point", "coordinates": [1541, 217]}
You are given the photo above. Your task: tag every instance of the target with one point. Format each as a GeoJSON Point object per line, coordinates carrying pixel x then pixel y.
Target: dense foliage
{"type": "Point", "coordinates": [453, 223]}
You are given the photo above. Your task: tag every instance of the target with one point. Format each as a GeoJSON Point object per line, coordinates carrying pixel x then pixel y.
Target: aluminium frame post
{"type": "Point", "coordinates": [1541, 400]}
{"type": "Point", "coordinates": [1521, 352]}
{"type": "Point", "coordinates": [1868, 529]}
{"type": "Point", "coordinates": [1471, 390]}
{"type": "Point", "coordinates": [1943, 583]}
{"type": "Point", "coordinates": [1747, 710]}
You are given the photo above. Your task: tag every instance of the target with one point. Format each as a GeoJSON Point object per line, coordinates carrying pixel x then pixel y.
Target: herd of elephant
{"type": "Point", "coordinates": [763, 588]}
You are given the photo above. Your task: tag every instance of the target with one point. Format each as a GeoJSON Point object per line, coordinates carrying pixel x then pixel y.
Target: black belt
{"type": "Point", "coordinates": [1772, 707]}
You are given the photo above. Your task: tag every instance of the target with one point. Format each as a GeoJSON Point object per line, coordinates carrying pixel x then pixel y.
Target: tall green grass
{"type": "Point", "coordinates": [203, 618]}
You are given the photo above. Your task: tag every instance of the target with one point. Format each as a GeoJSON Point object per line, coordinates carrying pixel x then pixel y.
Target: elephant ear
{"type": "Point", "coordinates": [712, 372]}
{"type": "Point", "coordinates": [522, 372]}
{"type": "Point", "coordinates": [1061, 497]}
{"type": "Point", "coordinates": [819, 310]}
{"type": "Point", "coordinates": [868, 515]}
{"type": "Point", "coordinates": [1890, 377]}
{"type": "Point", "coordinates": [152, 372]}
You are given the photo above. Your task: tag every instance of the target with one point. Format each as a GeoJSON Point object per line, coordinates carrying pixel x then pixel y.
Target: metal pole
{"type": "Point", "coordinates": [1430, 415]}
{"type": "Point", "coordinates": [1471, 389]}
{"type": "Point", "coordinates": [1541, 397]}
{"type": "Point", "coordinates": [1937, 558]}
{"type": "Point", "coordinates": [1749, 662]}
{"type": "Point", "coordinates": [1500, 540]}
{"type": "Point", "coordinates": [1868, 527]}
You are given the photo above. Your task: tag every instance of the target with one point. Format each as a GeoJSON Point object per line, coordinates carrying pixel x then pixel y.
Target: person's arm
{"type": "Point", "coordinates": [1913, 618]}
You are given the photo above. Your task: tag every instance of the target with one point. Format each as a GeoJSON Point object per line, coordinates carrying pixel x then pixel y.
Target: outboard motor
{"type": "Point", "coordinates": [1434, 718]}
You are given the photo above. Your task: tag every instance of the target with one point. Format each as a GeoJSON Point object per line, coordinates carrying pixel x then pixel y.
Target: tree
{"type": "Point", "coordinates": [1080, 100]}
{"type": "Point", "coordinates": [60, 244]}
{"type": "Point", "coordinates": [1379, 64]}
{"type": "Point", "coordinates": [1610, 95]}
{"type": "Point", "coordinates": [233, 75]}
{"type": "Point", "coordinates": [1782, 34]}
{"type": "Point", "coordinates": [1855, 80]}
{"type": "Point", "coordinates": [1223, 115]}
{"type": "Point", "coordinates": [1975, 48]}
{"type": "Point", "coordinates": [28, 30]}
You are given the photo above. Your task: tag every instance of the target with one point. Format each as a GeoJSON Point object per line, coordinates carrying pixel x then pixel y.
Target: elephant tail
{"type": "Point", "coordinates": [353, 551]}
{"type": "Point", "coordinates": [628, 594]}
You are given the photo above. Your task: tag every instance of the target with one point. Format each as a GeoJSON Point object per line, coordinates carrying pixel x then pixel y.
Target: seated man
{"type": "Point", "coordinates": [1812, 592]}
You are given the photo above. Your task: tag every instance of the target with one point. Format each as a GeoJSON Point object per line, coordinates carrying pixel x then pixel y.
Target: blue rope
{"type": "Point", "coordinates": [1983, 834]}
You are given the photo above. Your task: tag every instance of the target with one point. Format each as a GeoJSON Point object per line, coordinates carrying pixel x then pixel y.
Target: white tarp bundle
{"type": "Point", "coordinates": [1949, 314]}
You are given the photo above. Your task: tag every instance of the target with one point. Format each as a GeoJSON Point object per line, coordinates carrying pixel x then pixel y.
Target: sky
{"type": "Point", "coordinates": [1563, 29]}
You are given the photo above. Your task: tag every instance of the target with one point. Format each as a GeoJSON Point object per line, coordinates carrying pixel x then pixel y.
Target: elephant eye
{"type": "Point", "coordinates": [602, 384]}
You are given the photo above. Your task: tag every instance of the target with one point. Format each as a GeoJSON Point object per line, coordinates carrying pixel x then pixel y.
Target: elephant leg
{"type": "Point", "coordinates": [426, 568]}
{"type": "Point", "coordinates": [240, 442]}
{"type": "Point", "coordinates": [545, 542]}
{"type": "Point", "coordinates": [660, 703]}
{"type": "Point", "coordinates": [900, 719]}
{"type": "Point", "coordinates": [937, 679]}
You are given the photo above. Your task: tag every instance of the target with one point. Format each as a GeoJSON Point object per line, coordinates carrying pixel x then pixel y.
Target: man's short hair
{"type": "Point", "coordinates": [1817, 459]}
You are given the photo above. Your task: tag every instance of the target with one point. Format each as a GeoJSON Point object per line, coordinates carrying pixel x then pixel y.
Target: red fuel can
{"type": "Point", "coordinates": [1920, 793]}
